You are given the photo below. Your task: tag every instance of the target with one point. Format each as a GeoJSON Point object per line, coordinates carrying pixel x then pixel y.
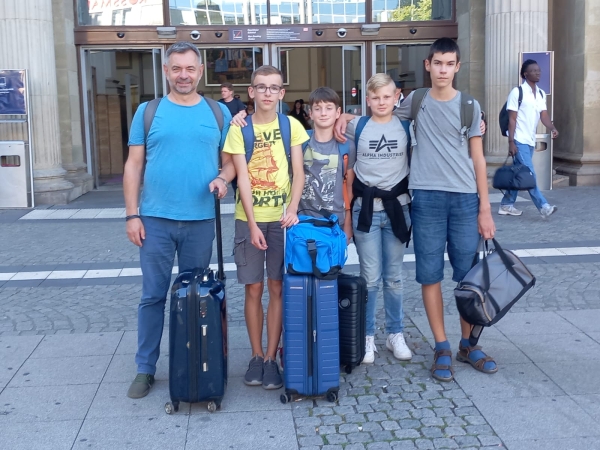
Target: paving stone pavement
{"type": "Point", "coordinates": [66, 358]}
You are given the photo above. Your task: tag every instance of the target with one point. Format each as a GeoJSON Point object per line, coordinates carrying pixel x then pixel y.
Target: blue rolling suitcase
{"type": "Point", "coordinates": [198, 335]}
{"type": "Point", "coordinates": [310, 337]}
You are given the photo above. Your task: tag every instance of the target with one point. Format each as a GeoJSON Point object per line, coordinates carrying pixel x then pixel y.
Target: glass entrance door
{"type": "Point", "coordinates": [307, 68]}
{"type": "Point", "coordinates": [115, 83]}
{"type": "Point", "coordinates": [405, 63]}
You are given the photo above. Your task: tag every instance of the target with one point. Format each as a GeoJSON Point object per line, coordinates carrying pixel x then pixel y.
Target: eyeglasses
{"type": "Point", "coordinates": [261, 89]}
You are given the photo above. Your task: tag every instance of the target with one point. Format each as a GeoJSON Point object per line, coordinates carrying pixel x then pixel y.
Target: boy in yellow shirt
{"type": "Point", "coordinates": [264, 187]}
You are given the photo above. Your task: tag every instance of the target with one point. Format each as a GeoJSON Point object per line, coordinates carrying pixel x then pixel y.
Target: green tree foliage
{"type": "Point", "coordinates": [416, 11]}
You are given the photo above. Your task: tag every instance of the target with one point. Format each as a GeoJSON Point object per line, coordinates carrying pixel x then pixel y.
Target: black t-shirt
{"type": "Point", "coordinates": [234, 106]}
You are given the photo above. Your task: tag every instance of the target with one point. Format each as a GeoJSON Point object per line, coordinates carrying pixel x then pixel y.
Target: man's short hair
{"type": "Point", "coordinates": [378, 81]}
{"type": "Point", "coordinates": [182, 47]}
{"type": "Point", "coordinates": [324, 95]}
{"type": "Point", "coordinates": [525, 66]}
{"type": "Point", "coordinates": [265, 71]}
{"type": "Point", "coordinates": [443, 46]}
{"type": "Point", "coordinates": [228, 86]}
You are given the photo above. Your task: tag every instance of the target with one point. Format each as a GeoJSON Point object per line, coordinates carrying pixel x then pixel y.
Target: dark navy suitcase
{"type": "Point", "coordinates": [310, 337]}
{"type": "Point", "coordinates": [352, 293]}
{"type": "Point", "coordinates": [198, 335]}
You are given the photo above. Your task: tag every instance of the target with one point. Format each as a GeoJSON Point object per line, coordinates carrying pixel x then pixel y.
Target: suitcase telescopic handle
{"type": "Point", "coordinates": [220, 265]}
{"type": "Point", "coordinates": [284, 239]}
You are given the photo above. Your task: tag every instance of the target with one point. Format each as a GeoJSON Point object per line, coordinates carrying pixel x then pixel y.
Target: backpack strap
{"type": "Point", "coordinates": [360, 126]}
{"type": "Point", "coordinates": [218, 113]}
{"type": "Point", "coordinates": [418, 96]}
{"type": "Point", "coordinates": [149, 114]}
{"type": "Point", "coordinates": [467, 108]}
{"type": "Point", "coordinates": [248, 136]}
{"type": "Point", "coordinates": [310, 133]}
{"type": "Point", "coordinates": [286, 137]}
{"type": "Point", "coordinates": [406, 126]}
{"type": "Point", "coordinates": [520, 95]}
{"type": "Point", "coordinates": [344, 149]}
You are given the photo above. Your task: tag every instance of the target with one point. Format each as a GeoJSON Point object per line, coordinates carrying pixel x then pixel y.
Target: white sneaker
{"type": "Point", "coordinates": [395, 343]}
{"type": "Point", "coordinates": [509, 210]}
{"type": "Point", "coordinates": [547, 210]}
{"type": "Point", "coordinates": [370, 350]}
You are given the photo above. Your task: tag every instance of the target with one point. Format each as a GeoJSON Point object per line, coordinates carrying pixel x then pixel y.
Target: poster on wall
{"type": "Point", "coordinates": [12, 92]}
{"type": "Point", "coordinates": [545, 61]}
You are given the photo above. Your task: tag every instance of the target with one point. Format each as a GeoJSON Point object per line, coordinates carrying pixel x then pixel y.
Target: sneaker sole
{"type": "Point", "coordinates": [506, 213]}
{"type": "Point", "coordinates": [136, 396]}
{"type": "Point", "coordinates": [253, 383]}
{"type": "Point", "coordinates": [404, 358]}
{"type": "Point", "coordinates": [271, 387]}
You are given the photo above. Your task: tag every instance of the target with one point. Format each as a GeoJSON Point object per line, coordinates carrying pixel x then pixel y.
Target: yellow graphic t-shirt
{"type": "Point", "coordinates": [267, 169]}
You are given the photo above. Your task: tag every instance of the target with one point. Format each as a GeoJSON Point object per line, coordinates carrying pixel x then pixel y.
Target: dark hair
{"type": "Point", "coordinates": [182, 47]}
{"type": "Point", "coordinates": [525, 66]}
{"type": "Point", "coordinates": [324, 95]}
{"type": "Point", "coordinates": [228, 86]}
{"type": "Point", "coordinates": [443, 46]}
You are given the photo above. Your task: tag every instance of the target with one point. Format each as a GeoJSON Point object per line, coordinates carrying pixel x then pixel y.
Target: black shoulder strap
{"type": "Point", "coordinates": [417, 100]}
{"type": "Point", "coordinates": [216, 109]}
{"type": "Point", "coordinates": [467, 108]}
{"type": "Point", "coordinates": [520, 95]}
{"type": "Point", "coordinates": [149, 114]}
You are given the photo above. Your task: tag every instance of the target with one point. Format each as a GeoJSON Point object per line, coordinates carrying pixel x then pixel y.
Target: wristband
{"type": "Point", "coordinates": [133, 216]}
{"type": "Point", "coordinates": [223, 180]}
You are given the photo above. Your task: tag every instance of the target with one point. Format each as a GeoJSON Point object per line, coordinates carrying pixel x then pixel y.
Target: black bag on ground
{"type": "Point", "coordinates": [492, 286]}
{"type": "Point", "coordinates": [198, 335]}
{"type": "Point", "coordinates": [515, 177]}
{"type": "Point", "coordinates": [352, 303]}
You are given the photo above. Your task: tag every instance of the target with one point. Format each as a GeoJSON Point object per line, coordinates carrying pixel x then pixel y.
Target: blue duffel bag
{"type": "Point", "coordinates": [316, 246]}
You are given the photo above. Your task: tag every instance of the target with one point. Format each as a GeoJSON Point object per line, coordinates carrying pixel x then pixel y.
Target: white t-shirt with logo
{"type": "Point", "coordinates": [381, 158]}
{"type": "Point", "coordinates": [528, 115]}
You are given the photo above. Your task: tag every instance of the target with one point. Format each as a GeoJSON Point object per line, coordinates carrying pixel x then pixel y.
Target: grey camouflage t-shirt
{"type": "Point", "coordinates": [324, 178]}
{"type": "Point", "coordinates": [381, 158]}
{"type": "Point", "coordinates": [440, 158]}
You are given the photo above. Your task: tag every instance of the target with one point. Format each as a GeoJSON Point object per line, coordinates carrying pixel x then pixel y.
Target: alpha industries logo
{"type": "Point", "coordinates": [382, 144]}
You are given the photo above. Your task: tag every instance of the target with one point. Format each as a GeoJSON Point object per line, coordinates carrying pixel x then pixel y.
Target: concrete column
{"type": "Point", "coordinates": [69, 111]}
{"type": "Point", "coordinates": [576, 37]}
{"type": "Point", "coordinates": [26, 34]}
{"type": "Point", "coordinates": [512, 26]}
{"type": "Point", "coordinates": [470, 15]}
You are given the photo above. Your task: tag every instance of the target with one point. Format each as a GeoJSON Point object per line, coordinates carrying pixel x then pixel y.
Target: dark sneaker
{"type": "Point", "coordinates": [140, 386]}
{"type": "Point", "coordinates": [271, 377]}
{"type": "Point", "coordinates": [254, 374]}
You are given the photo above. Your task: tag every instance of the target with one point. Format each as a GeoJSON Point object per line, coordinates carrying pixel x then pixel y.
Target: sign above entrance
{"type": "Point", "coordinates": [270, 34]}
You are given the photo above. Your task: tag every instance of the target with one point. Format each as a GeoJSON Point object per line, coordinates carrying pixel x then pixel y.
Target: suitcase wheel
{"type": "Point", "coordinates": [332, 396]}
{"type": "Point", "coordinates": [212, 407]}
{"type": "Point", "coordinates": [170, 408]}
{"type": "Point", "coordinates": [285, 398]}
{"type": "Point", "coordinates": [349, 368]}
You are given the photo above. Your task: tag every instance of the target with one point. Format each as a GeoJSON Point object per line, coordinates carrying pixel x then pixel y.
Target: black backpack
{"type": "Point", "coordinates": [503, 117]}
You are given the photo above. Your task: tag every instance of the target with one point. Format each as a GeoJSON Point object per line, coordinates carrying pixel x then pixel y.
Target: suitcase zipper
{"type": "Point", "coordinates": [193, 337]}
{"type": "Point", "coordinates": [204, 347]}
{"type": "Point", "coordinates": [468, 288]}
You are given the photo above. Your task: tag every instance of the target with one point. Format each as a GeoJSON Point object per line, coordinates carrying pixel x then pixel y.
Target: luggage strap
{"type": "Point", "coordinates": [311, 244]}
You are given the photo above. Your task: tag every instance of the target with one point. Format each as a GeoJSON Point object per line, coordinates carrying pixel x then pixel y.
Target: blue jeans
{"type": "Point", "coordinates": [441, 218]}
{"type": "Point", "coordinates": [192, 242]}
{"type": "Point", "coordinates": [380, 254]}
{"type": "Point", "coordinates": [524, 156]}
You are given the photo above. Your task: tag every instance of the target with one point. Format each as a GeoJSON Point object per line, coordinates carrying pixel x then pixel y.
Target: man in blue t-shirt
{"type": "Point", "coordinates": [176, 213]}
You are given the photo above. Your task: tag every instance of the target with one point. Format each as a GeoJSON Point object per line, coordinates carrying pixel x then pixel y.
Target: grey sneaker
{"type": "Point", "coordinates": [547, 210]}
{"type": "Point", "coordinates": [140, 386]}
{"type": "Point", "coordinates": [254, 374]}
{"type": "Point", "coordinates": [271, 377]}
{"type": "Point", "coordinates": [509, 210]}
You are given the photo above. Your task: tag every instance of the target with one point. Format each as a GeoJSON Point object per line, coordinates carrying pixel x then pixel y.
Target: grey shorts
{"type": "Point", "coordinates": [250, 261]}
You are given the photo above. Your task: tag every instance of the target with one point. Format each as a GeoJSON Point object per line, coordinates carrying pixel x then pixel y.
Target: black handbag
{"type": "Point", "coordinates": [492, 286]}
{"type": "Point", "coordinates": [515, 177]}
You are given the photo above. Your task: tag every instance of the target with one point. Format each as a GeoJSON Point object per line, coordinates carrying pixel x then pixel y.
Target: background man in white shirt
{"type": "Point", "coordinates": [522, 125]}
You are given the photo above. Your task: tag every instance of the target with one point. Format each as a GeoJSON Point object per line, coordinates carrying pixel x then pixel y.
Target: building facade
{"type": "Point", "coordinates": [92, 62]}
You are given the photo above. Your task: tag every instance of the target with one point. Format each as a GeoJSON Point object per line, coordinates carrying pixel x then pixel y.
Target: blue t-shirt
{"type": "Point", "coordinates": [181, 159]}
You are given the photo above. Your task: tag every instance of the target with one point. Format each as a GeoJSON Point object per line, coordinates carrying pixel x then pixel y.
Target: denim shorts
{"type": "Point", "coordinates": [441, 218]}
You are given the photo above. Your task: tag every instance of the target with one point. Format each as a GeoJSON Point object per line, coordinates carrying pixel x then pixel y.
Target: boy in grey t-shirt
{"type": "Point", "coordinates": [450, 200]}
{"type": "Point", "coordinates": [380, 214]}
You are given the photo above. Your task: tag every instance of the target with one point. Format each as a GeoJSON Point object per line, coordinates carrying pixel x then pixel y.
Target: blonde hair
{"type": "Point", "coordinates": [265, 71]}
{"type": "Point", "coordinates": [378, 81]}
